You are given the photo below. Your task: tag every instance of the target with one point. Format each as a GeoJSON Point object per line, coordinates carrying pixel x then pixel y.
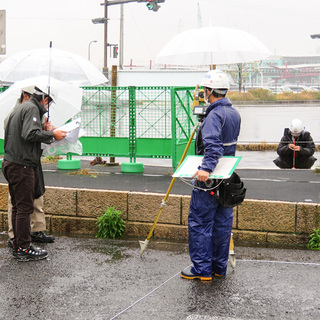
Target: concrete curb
{"type": "Point", "coordinates": [72, 211]}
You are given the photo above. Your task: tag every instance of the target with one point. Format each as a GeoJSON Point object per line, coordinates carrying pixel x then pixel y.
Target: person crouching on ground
{"type": "Point", "coordinates": [296, 148]}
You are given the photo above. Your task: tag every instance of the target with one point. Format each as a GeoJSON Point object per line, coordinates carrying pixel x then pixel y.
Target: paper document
{"type": "Point", "coordinates": [69, 144]}
{"type": "Point", "coordinates": [73, 129]}
{"type": "Point", "coordinates": [223, 170]}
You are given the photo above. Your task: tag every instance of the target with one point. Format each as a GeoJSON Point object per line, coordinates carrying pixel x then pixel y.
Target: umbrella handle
{"type": "Point", "coordinates": [50, 61]}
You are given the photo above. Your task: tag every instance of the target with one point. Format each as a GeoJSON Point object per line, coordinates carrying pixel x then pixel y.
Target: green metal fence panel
{"type": "Point", "coordinates": [105, 147]}
{"type": "Point", "coordinates": [132, 123]}
{"type": "Point", "coordinates": [136, 113]}
{"type": "Point", "coordinates": [153, 112]}
{"type": "Point", "coordinates": [104, 112]}
{"type": "Point", "coordinates": [183, 122]}
{"type": "Point", "coordinates": [146, 122]}
{"type": "Point", "coordinates": [153, 122]}
{"type": "Point", "coordinates": [153, 148]}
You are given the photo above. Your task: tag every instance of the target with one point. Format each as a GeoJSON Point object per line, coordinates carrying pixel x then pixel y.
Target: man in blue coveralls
{"type": "Point", "coordinates": [210, 223]}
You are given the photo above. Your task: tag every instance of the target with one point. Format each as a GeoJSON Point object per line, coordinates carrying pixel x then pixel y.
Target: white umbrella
{"type": "Point", "coordinates": [65, 66]}
{"type": "Point", "coordinates": [212, 45]}
{"type": "Point", "coordinates": [68, 100]}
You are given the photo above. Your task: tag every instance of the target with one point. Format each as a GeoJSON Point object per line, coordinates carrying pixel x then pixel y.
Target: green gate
{"type": "Point", "coordinates": [183, 122]}
{"type": "Point", "coordinates": [136, 122]}
{"type": "Point", "coordinates": [126, 122]}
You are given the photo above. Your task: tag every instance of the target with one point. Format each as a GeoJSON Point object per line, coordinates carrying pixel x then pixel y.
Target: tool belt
{"type": "Point", "coordinates": [231, 192]}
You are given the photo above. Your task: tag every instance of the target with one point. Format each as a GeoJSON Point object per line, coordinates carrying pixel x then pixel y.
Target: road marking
{"type": "Point", "coordinates": [281, 262]}
{"type": "Point", "coordinates": [277, 180]}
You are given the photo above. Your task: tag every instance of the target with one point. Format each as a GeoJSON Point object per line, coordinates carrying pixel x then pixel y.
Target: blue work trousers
{"type": "Point", "coordinates": [210, 226]}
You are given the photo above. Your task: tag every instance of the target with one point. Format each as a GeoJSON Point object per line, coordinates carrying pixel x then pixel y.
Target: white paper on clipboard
{"type": "Point", "coordinates": [223, 170]}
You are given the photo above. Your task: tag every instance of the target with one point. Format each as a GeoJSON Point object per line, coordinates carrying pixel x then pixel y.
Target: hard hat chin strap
{"type": "Point", "coordinates": [222, 92]}
{"type": "Point", "coordinates": [211, 91]}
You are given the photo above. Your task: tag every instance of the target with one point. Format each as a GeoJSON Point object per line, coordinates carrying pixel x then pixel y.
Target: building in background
{"type": "Point", "coordinates": [286, 70]}
{"type": "Point", "coordinates": [278, 73]}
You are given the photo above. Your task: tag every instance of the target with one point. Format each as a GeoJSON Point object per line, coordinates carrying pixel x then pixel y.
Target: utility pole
{"type": "Point", "coordinates": [121, 36]}
{"type": "Point", "coordinates": [105, 53]}
{"type": "Point", "coordinates": [151, 5]}
{"type": "Point", "coordinates": [2, 31]}
{"type": "Point", "coordinates": [199, 18]}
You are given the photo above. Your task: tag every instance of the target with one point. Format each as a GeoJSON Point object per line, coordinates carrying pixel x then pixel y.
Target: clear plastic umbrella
{"type": "Point", "coordinates": [212, 46]}
{"type": "Point", "coordinates": [61, 65]}
{"type": "Point", "coordinates": [68, 99]}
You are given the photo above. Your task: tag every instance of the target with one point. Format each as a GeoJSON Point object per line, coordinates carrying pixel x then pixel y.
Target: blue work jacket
{"type": "Point", "coordinates": [218, 133]}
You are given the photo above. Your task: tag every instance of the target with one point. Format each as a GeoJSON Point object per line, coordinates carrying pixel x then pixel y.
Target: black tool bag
{"type": "Point", "coordinates": [231, 191]}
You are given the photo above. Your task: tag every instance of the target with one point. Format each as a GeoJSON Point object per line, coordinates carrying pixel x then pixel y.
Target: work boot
{"type": "Point", "coordinates": [217, 275]}
{"type": "Point", "coordinates": [30, 254]}
{"type": "Point", "coordinates": [12, 247]}
{"type": "Point", "coordinates": [10, 243]}
{"type": "Point", "coordinates": [187, 274]}
{"type": "Point", "coordinates": [41, 237]}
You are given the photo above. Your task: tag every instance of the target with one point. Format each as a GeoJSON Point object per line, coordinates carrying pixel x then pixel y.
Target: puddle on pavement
{"type": "Point", "coordinates": [119, 249]}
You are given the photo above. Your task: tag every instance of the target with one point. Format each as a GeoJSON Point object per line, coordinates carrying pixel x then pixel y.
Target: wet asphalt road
{"type": "Point", "coordinates": [261, 184]}
{"type": "Point", "coordinates": [263, 180]}
{"type": "Point", "coordinates": [107, 279]}
{"type": "Point", "coordinates": [86, 278]}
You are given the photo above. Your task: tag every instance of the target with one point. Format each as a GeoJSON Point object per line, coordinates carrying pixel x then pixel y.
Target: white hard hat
{"type": "Point", "coordinates": [296, 127]}
{"type": "Point", "coordinates": [42, 89]}
{"type": "Point", "coordinates": [216, 79]}
{"type": "Point", "coordinates": [28, 89]}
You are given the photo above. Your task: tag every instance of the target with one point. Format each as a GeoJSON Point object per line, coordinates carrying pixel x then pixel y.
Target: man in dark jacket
{"type": "Point", "coordinates": [209, 223]}
{"type": "Point", "coordinates": [296, 148]}
{"type": "Point", "coordinates": [22, 152]}
{"type": "Point", "coordinates": [37, 218]}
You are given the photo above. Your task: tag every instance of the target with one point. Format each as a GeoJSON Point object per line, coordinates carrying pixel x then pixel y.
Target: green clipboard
{"type": "Point", "coordinates": [223, 170]}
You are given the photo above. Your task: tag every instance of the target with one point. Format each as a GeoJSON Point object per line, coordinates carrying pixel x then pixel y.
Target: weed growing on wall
{"type": "Point", "coordinates": [110, 224]}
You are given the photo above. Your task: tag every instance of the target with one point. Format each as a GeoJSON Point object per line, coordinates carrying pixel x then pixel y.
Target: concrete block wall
{"type": "Point", "coordinates": [74, 211]}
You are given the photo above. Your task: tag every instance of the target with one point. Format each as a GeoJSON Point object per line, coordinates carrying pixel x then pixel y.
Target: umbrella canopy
{"type": "Point", "coordinates": [68, 99]}
{"type": "Point", "coordinates": [212, 45]}
{"type": "Point", "coordinates": [64, 66]}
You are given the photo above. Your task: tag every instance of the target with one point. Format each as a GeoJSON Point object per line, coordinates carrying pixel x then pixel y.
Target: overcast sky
{"type": "Point", "coordinates": [284, 26]}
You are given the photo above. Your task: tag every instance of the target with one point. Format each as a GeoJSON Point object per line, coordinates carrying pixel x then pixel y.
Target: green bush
{"type": "Point", "coordinates": [240, 96]}
{"type": "Point", "coordinates": [260, 94]}
{"type": "Point", "coordinates": [110, 224]}
{"type": "Point", "coordinates": [263, 94]}
{"type": "Point", "coordinates": [314, 242]}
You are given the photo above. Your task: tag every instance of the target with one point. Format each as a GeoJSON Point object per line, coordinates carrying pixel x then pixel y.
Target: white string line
{"type": "Point", "coordinates": [242, 260]}
{"type": "Point", "coordinates": [148, 294]}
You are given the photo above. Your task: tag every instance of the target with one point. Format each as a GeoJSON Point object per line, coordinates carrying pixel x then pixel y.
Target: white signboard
{"type": "Point", "coordinates": [223, 170]}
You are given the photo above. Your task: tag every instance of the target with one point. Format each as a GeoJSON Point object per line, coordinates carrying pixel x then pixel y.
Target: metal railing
{"type": "Point", "coordinates": [144, 122]}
